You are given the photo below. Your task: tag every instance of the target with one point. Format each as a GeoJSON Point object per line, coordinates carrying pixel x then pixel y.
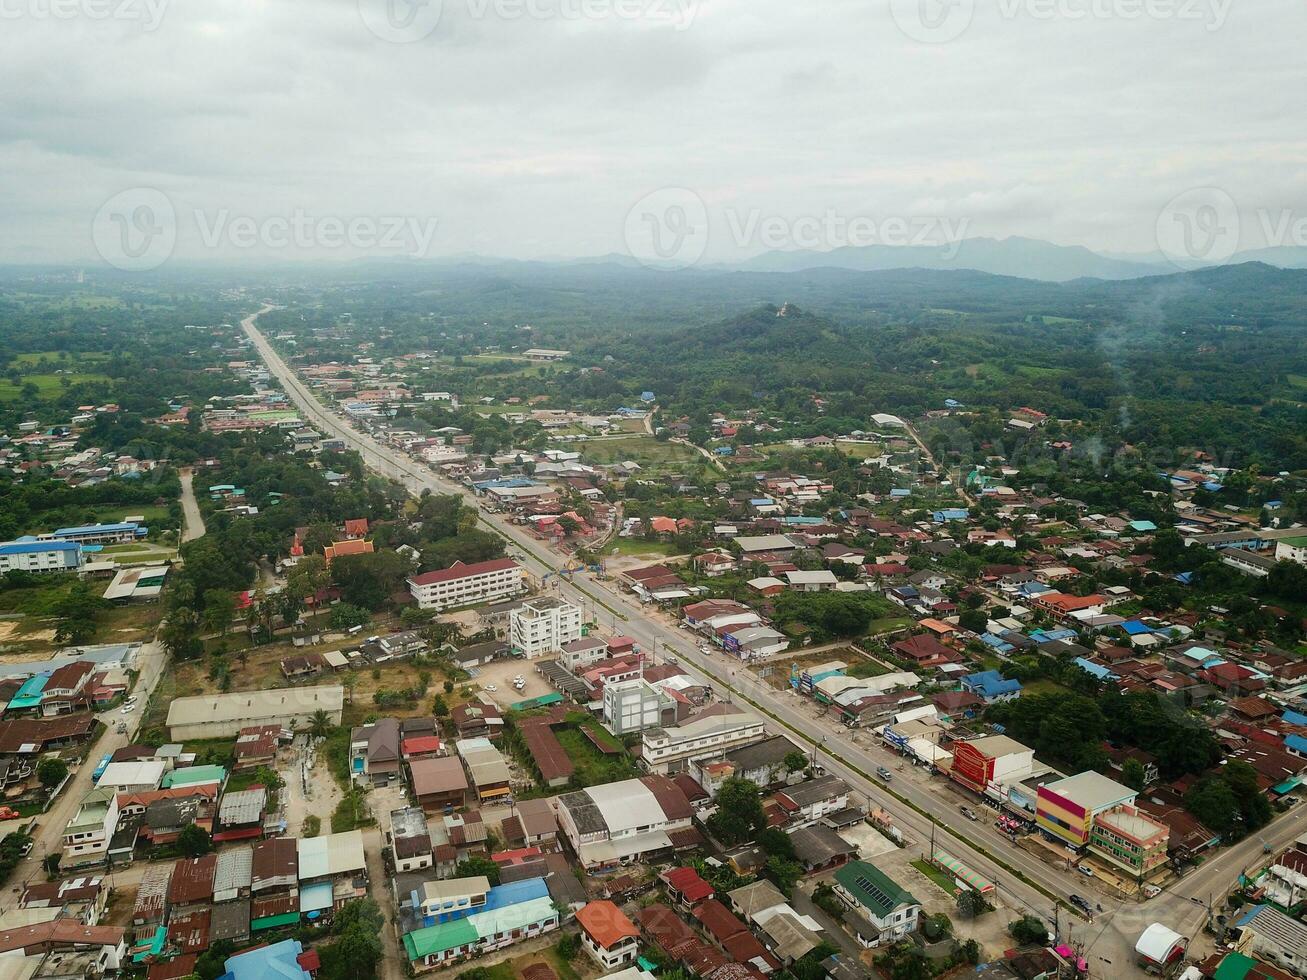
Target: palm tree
{"type": "Point", "coordinates": [320, 724]}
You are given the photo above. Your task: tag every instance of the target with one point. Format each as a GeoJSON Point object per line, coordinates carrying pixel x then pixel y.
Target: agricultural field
{"type": "Point", "coordinates": [645, 450]}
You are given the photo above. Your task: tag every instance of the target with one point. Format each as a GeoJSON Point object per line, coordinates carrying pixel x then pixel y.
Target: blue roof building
{"type": "Point", "coordinates": [997, 642]}
{"type": "Point", "coordinates": [280, 961]}
{"type": "Point", "coordinates": [1142, 526]}
{"type": "Point", "coordinates": [900, 493]}
{"type": "Point", "coordinates": [1135, 628]}
{"type": "Point", "coordinates": [991, 686]}
{"type": "Point", "coordinates": [40, 556]}
{"type": "Point", "coordinates": [1097, 670]}
{"type": "Point", "coordinates": [951, 514]}
{"type": "Point", "coordinates": [1294, 718]}
{"type": "Point", "coordinates": [1295, 744]}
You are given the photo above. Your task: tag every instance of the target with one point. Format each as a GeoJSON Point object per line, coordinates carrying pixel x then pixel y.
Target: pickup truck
{"type": "Point", "coordinates": [884, 774]}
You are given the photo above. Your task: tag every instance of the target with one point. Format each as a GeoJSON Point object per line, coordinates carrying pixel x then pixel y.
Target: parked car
{"type": "Point", "coordinates": [967, 812]}
{"type": "Point", "coordinates": [491, 688]}
{"type": "Point", "coordinates": [1081, 904]}
{"type": "Point", "coordinates": [1085, 870]}
{"type": "Point", "coordinates": [127, 709]}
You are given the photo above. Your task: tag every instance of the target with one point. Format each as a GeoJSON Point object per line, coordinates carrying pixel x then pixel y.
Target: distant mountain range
{"type": "Point", "coordinates": [1026, 258]}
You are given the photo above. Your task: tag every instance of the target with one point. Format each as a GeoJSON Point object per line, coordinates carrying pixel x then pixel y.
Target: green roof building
{"type": "Point", "coordinates": [880, 910]}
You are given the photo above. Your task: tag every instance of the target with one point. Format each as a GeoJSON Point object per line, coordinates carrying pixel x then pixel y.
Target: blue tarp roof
{"type": "Point", "coordinates": [514, 893]}
{"type": "Point", "coordinates": [1135, 628]}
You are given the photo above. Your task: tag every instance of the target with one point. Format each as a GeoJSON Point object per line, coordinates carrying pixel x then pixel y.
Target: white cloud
{"type": "Point", "coordinates": [533, 134]}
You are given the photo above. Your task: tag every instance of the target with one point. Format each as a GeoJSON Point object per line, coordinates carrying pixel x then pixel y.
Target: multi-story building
{"type": "Point", "coordinates": [1292, 549]}
{"type": "Point", "coordinates": [883, 911]}
{"type": "Point", "coordinates": [1065, 809]}
{"type": "Point", "coordinates": [634, 705]}
{"type": "Point", "coordinates": [1130, 841]}
{"type": "Point", "coordinates": [87, 835]}
{"type": "Point", "coordinates": [410, 839]}
{"type": "Point", "coordinates": [454, 898]}
{"type": "Point", "coordinates": [611, 939]}
{"type": "Point", "coordinates": [542, 625]}
{"type": "Point", "coordinates": [618, 823]}
{"type": "Point", "coordinates": [467, 585]}
{"type": "Point", "coordinates": [712, 732]}
{"type": "Point", "coordinates": [40, 556]}
{"type": "Point", "coordinates": [123, 533]}
{"type": "Point", "coordinates": [985, 765]}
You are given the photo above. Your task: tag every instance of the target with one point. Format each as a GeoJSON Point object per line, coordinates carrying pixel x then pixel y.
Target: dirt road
{"type": "Point", "coordinates": [193, 522]}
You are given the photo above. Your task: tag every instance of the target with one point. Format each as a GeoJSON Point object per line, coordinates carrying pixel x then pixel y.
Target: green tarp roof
{"type": "Point", "coordinates": [962, 872]}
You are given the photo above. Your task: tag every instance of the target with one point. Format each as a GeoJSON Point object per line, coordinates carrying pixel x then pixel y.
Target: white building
{"type": "Point", "coordinates": [883, 911]}
{"type": "Point", "coordinates": [467, 585]}
{"type": "Point", "coordinates": [132, 777]}
{"type": "Point", "coordinates": [87, 835]}
{"type": "Point", "coordinates": [711, 733]}
{"type": "Point", "coordinates": [633, 706]}
{"type": "Point", "coordinates": [40, 556]}
{"type": "Point", "coordinates": [541, 626]}
{"type": "Point", "coordinates": [618, 823]}
{"type": "Point", "coordinates": [1292, 549]}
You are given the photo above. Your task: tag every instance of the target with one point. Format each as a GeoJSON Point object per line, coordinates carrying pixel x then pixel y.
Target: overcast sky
{"type": "Point", "coordinates": [532, 128]}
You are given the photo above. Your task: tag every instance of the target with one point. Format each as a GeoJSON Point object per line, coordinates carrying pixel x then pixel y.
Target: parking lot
{"type": "Point", "coordinates": [500, 675]}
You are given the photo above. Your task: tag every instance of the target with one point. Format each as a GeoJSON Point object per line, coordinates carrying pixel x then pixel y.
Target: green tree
{"type": "Point", "coordinates": [320, 724]}
{"type": "Point", "coordinates": [194, 841]}
{"type": "Point", "coordinates": [475, 865]}
{"type": "Point", "coordinates": [51, 772]}
{"type": "Point", "coordinates": [1029, 930]}
{"type": "Point", "coordinates": [739, 815]}
{"type": "Point", "coordinates": [795, 761]}
{"type": "Point", "coordinates": [1133, 774]}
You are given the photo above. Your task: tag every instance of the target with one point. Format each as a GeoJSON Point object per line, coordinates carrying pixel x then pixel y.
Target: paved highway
{"type": "Point", "coordinates": [1107, 941]}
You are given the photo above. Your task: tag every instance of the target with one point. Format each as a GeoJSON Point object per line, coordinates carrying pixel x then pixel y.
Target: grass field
{"type": "Point", "coordinates": [592, 766]}
{"type": "Point", "coordinates": [156, 516]}
{"type": "Point", "coordinates": [934, 874]}
{"type": "Point", "coordinates": [1043, 686]}
{"type": "Point", "coordinates": [47, 385]}
{"type": "Point", "coordinates": [636, 547]}
{"type": "Point", "coordinates": [888, 624]}
{"type": "Point", "coordinates": [644, 450]}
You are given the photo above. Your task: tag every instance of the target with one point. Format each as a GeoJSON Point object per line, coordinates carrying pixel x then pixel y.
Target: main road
{"type": "Point", "coordinates": [1026, 882]}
